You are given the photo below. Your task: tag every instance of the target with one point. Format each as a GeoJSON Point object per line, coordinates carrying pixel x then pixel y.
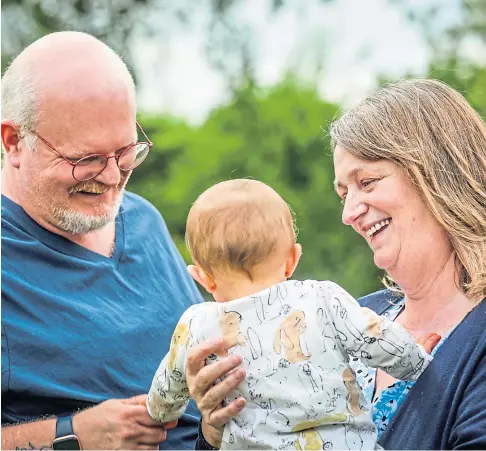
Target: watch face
{"type": "Point", "coordinates": [67, 442]}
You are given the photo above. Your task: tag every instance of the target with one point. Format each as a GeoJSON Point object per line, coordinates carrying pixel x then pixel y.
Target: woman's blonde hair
{"type": "Point", "coordinates": [431, 132]}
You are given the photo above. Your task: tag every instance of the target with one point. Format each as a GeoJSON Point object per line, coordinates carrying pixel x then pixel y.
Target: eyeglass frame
{"type": "Point", "coordinates": [116, 157]}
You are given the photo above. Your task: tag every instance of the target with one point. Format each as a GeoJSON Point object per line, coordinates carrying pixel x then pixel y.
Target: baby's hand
{"type": "Point", "coordinates": [143, 399]}
{"type": "Point", "coordinates": [170, 424]}
{"type": "Point", "coordinates": [167, 425]}
{"type": "Point", "coordinates": [429, 342]}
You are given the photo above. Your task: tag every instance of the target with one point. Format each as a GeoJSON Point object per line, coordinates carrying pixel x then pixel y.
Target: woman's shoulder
{"type": "Point", "coordinates": [379, 301]}
{"type": "Point", "coordinates": [453, 414]}
{"type": "Point", "coordinates": [470, 333]}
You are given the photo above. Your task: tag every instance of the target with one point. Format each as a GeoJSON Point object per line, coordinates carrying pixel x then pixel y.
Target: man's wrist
{"type": "Point", "coordinates": [78, 428]}
{"type": "Point", "coordinates": [66, 438]}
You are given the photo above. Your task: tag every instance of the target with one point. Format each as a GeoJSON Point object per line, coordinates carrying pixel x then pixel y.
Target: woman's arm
{"type": "Point", "coordinates": [469, 429]}
{"type": "Point", "coordinates": [208, 395]}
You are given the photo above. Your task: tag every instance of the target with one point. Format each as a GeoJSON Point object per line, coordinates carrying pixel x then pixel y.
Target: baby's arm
{"type": "Point", "coordinates": [168, 395]}
{"type": "Point", "coordinates": [377, 341]}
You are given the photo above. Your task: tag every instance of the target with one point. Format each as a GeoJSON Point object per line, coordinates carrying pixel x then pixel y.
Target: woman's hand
{"type": "Point", "coordinates": [209, 396]}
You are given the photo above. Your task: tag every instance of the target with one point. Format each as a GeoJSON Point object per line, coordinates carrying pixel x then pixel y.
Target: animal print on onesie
{"type": "Point", "coordinates": [296, 339]}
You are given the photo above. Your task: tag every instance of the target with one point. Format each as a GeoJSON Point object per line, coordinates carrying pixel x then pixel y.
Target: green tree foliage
{"type": "Point", "coordinates": [228, 42]}
{"type": "Point", "coordinates": [450, 61]}
{"type": "Point", "coordinates": [276, 136]}
{"type": "Point", "coordinates": [453, 65]}
{"type": "Point", "coordinates": [467, 78]}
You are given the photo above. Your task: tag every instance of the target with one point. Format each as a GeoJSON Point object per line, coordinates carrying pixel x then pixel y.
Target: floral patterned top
{"type": "Point", "coordinates": [392, 397]}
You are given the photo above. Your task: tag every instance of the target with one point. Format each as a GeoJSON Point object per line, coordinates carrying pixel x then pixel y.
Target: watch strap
{"type": "Point", "coordinates": [65, 436]}
{"type": "Point", "coordinates": [64, 426]}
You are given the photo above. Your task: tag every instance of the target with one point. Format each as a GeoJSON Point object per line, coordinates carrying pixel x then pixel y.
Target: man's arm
{"type": "Point", "coordinates": [113, 424]}
{"type": "Point", "coordinates": [35, 435]}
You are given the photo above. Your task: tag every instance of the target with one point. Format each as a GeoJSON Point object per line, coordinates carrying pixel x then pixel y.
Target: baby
{"type": "Point", "coordinates": [296, 337]}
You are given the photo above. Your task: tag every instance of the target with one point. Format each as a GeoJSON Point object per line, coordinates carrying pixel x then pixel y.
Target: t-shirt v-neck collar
{"type": "Point", "coordinates": [62, 244]}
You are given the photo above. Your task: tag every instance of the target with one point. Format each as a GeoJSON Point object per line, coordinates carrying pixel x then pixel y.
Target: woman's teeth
{"type": "Point", "coordinates": [372, 230]}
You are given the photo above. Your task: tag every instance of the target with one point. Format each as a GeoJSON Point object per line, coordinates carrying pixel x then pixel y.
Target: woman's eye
{"type": "Point", "coordinates": [367, 182]}
{"type": "Point", "coordinates": [343, 199]}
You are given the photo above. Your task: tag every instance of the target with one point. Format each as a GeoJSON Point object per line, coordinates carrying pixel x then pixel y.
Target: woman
{"type": "Point", "coordinates": [410, 167]}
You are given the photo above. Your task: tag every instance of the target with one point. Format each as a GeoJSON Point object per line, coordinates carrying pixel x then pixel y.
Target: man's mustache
{"type": "Point", "coordinates": [89, 186]}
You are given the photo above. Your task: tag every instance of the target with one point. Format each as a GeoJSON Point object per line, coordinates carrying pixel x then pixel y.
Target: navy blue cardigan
{"type": "Point", "coordinates": [446, 408]}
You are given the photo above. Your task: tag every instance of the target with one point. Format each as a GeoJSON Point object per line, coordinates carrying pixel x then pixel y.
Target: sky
{"type": "Point", "coordinates": [354, 40]}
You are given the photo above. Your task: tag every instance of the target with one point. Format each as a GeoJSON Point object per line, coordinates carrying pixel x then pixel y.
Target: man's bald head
{"type": "Point", "coordinates": [57, 69]}
{"type": "Point", "coordinates": [78, 95]}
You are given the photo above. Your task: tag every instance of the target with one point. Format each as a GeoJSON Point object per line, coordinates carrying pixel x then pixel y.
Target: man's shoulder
{"type": "Point", "coordinates": [16, 224]}
{"type": "Point", "coordinates": [11, 212]}
{"type": "Point", "coordinates": [134, 203]}
{"type": "Point", "coordinates": [138, 210]}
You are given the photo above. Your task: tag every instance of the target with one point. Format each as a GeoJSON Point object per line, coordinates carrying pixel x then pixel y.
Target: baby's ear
{"type": "Point", "coordinates": [293, 260]}
{"type": "Point", "coordinates": [202, 278]}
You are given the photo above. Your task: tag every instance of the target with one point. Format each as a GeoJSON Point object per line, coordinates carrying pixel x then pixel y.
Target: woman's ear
{"type": "Point", "coordinates": [202, 278]}
{"type": "Point", "coordinates": [293, 259]}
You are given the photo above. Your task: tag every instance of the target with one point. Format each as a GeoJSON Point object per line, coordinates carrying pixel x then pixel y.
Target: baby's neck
{"type": "Point", "coordinates": [240, 287]}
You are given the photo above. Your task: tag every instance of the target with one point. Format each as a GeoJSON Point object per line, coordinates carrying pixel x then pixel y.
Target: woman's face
{"type": "Point", "coordinates": [382, 205]}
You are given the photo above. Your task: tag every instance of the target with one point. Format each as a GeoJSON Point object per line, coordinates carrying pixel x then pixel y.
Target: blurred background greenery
{"type": "Point", "coordinates": [247, 88]}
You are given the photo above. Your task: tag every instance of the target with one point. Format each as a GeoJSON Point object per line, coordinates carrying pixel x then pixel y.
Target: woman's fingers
{"type": "Point", "coordinates": [200, 378]}
{"type": "Point", "coordinates": [221, 416]}
{"type": "Point", "coordinates": [209, 395]}
{"type": "Point", "coordinates": [196, 358]}
{"type": "Point", "coordinates": [213, 398]}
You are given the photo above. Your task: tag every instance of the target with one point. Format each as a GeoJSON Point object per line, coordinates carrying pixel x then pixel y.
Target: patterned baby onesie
{"type": "Point", "coordinates": [296, 339]}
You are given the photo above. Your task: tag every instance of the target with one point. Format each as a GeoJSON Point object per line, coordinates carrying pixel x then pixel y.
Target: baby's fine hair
{"type": "Point", "coordinates": [237, 225]}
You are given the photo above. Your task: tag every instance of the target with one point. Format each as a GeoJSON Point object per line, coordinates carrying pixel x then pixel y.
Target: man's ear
{"type": "Point", "coordinates": [293, 260]}
{"type": "Point", "coordinates": [10, 142]}
{"type": "Point", "coordinates": [202, 278]}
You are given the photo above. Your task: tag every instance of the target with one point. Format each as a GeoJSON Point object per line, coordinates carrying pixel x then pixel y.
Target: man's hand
{"type": "Point", "coordinates": [119, 424]}
{"type": "Point", "coordinates": [208, 396]}
{"type": "Point", "coordinates": [429, 342]}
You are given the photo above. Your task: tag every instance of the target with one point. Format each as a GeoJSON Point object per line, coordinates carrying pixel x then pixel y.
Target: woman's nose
{"type": "Point", "coordinates": [353, 209]}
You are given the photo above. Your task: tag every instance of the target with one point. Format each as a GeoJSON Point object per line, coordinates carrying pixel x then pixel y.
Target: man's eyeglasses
{"type": "Point", "coordinates": [90, 166]}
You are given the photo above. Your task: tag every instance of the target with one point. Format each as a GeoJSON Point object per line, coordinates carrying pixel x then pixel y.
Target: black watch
{"type": "Point", "coordinates": [65, 437]}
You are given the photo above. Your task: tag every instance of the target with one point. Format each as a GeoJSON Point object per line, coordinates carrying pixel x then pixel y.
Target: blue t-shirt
{"type": "Point", "coordinates": [79, 328]}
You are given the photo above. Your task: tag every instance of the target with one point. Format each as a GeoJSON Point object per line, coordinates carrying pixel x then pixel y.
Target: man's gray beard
{"type": "Point", "coordinates": [77, 223]}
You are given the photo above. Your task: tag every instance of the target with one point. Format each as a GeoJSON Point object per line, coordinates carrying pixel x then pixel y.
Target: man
{"type": "Point", "coordinates": [92, 285]}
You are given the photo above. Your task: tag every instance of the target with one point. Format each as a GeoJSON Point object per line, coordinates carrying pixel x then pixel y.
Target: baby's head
{"type": "Point", "coordinates": [242, 239]}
